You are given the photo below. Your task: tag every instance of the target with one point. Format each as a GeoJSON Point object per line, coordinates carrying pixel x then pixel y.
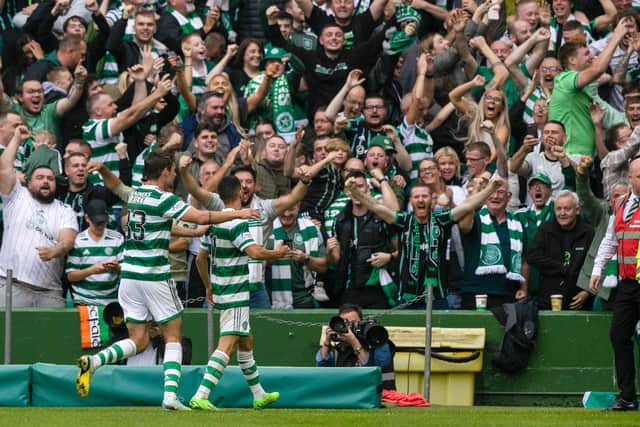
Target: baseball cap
{"type": "Point", "coordinates": [382, 141]}
{"type": "Point", "coordinates": [539, 177]}
{"type": "Point", "coordinates": [96, 209]}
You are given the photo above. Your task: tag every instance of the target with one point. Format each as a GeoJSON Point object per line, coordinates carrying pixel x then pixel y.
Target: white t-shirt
{"type": "Point", "coordinates": [27, 225]}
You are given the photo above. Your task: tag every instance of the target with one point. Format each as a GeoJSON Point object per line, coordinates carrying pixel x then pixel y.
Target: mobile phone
{"type": "Point", "coordinates": [532, 130]}
{"type": "Point", "coordinates": [288, 243]}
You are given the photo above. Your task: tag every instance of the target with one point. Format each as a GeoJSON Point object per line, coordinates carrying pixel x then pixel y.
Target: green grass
{"type": "Point", "coordinates": [415, 417]}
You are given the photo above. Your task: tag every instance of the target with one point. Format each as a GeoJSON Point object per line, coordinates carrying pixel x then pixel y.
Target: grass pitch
{"type": "Point", "coordinates": [434, 416]}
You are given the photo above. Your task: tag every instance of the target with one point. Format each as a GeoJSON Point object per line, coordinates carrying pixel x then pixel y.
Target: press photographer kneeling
{"type": "Point", "coordinates": [351, 341]}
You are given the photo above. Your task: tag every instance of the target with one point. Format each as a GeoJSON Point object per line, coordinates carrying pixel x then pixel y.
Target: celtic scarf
{"type": "Point", "coordinates": [491, 261]}
{"type": "Point", "coordinates": [281, 275]}
{"type": "Point", "coordinates": [278, 106]}
{"type": "Point", "coordinates": [545, 214]}
{"type": "Point", "coordinates": [110, 70]}
{"type": "Point", "coordinates": [188, 24]}
{"type": "Point", "coordinates": [380, 276]}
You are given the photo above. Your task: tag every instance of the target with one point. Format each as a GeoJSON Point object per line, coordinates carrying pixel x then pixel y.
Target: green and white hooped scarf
{"type": "Point", "coordinates": [110, 71]}
{"type": "Point", "coordinates": [380, 276]}
{"type": "Point", "coordinates": [189, 24]}
{"type": "Point", "coordinates": [281, 275]}
{"type": "Point", "coordinates": [279, 105]}
{"type": "Point", "coordinates": [491, 261]}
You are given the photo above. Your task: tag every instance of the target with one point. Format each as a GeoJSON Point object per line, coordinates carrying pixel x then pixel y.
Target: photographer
{"type": "Point", "coordinates": [348, 349]}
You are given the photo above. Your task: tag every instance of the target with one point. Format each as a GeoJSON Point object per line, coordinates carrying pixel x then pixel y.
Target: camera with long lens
{"type": "Point", "coordinates": [369, 332]}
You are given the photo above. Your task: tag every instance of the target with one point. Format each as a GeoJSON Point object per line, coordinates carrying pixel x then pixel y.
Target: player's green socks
{"type": "Point", "coordinates": [250, 372]}
{"type": "Point", "coordinates": [122, 349]}
{"type": "Point", "coordinates": [212, 374]}
{"type": "Point", "coordinates": [172, 365]}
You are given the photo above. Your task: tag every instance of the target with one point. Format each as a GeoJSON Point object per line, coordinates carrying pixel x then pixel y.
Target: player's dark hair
{"type": "Point", "coordinates": [229, 188]}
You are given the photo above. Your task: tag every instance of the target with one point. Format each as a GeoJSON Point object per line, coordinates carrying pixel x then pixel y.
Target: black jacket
{"type": "Point", "coordinates": [357, 246]}
{"type": "Point", "coordinates": [559, 255]}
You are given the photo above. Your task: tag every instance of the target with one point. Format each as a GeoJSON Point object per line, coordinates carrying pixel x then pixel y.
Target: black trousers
{"type": "Point", "coordinates": [626, 313]}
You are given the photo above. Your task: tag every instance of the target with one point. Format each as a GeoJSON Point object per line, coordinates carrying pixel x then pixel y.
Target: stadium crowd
{"type": "Point", "coordinates": [355, 129]}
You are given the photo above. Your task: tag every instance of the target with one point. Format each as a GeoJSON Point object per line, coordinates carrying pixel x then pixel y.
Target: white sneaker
{"type": "Point", "coordinates": [174, 405]}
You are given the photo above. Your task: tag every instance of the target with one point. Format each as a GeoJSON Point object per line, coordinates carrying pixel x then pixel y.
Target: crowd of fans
{"type": "Point", "coordinates": [314, 106]}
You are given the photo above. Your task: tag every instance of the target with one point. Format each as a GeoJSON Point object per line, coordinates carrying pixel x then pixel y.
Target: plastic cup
{"type": "Point", "coordinates": [556, 302]}
{"type": "Point", "coordinates": [481, 302]}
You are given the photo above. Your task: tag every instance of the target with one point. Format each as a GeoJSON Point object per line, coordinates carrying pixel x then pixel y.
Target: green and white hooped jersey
{"type": "Point", "coordinates": [151, 214]}
{"type": "Point", "coordinates": [418, 143]}
{"type": "Point", "coordinates": [103, 145]}
{"type": "Point", "coordinates": [226, 243]}
{"type": "Point", "coordinates": [138, 166]}
{"type": "Point", "coordinates": [527, 116]}
{"type": "Point", "coordinates": [97, 289]}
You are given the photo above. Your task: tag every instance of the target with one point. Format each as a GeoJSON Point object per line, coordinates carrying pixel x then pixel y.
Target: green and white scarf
{"type": "Point", "coordinates": [281, 274]}
{"type": "Point", "coordinates": [491, 261]}
{"type": "Point", "coordinates": [545, 214]}
{"type": "Point", "coordinates": [279, 105]}
{"type": "Point", "coordinates": [380, 276]}
{"type": "Point", "coordinates": [188, 24]}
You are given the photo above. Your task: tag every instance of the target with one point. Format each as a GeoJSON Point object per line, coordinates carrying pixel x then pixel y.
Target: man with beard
{"type": "Point", "coordinates": [550, 162]}
{"type": "Point", "coordinates": [558, 251]}
{"type": "Point", "coordinates": [272, 182]}
{"type": "Point", "coordinates": [38, 227]}
{"type": "Point", "coordinates": [211, 111]}
{"type": "Point", "coordinates": [421, 234]}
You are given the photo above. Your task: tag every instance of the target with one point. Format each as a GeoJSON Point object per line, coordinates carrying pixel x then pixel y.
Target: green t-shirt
{"type": "Point", "coordinates": [47, 119]}
{"type": "Point", "coordinates": [570, 106]}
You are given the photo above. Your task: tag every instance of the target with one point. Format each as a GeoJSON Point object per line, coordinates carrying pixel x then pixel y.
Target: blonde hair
{"type": "Point", "coordinates": [45, 137]}
{"type": "Point", "coordinates": [449, 152]}
{"type": "Point", "coordinates": [475, 112]}
{"type": "Point", "coordinates": [338, 144]}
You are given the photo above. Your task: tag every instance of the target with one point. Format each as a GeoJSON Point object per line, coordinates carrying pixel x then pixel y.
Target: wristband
{"type": "Point", "coordinates": [383, 179]}
{"type": "Point", "coordinates": [428, 76]}
{"type": "Point", "coordinates": [357, 350]}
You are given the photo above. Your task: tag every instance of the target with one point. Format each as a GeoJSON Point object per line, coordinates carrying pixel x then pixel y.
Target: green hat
{"type": "Point", "coordinates": [406, 13]}
{"type": "Point", "coordinates": [382, 141]}
{"type": "Point", "coordinates": [539, 177]}
{"type": "Point", "coordinates": [272, 52]}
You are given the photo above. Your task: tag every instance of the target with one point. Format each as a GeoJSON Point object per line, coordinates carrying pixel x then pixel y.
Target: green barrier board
{"type": "Point", "coordinates": [14, 385]}
{"type": "Point", "coordinates": [343, 388]}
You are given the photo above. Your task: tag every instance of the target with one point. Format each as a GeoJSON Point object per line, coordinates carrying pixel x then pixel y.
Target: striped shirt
{"type": "Point", "coordinates": [138, 166]}
{"type": "Point", "coordinates": [29, 224]}
{"type": "Point", "coordinates": [151, 214]}
{"type": "Point", "coordinates": [527, 116]}
{"type": "Point", "coordinates": [96, 289]}
{"type": "Point", "coordinates": [418, 144]}
{"type": "Point", "coordinates": [338, 206]}
{"type": "Point", "coordinates": [103, 145]}
{"type": "Point", "coordinates": [226, 244]}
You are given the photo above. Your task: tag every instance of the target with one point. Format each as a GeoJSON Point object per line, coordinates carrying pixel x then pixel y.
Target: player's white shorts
{"type": "Point", "coordinates": [235, 321]}
{"type": "Point", "coordinates": [143, 301]}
